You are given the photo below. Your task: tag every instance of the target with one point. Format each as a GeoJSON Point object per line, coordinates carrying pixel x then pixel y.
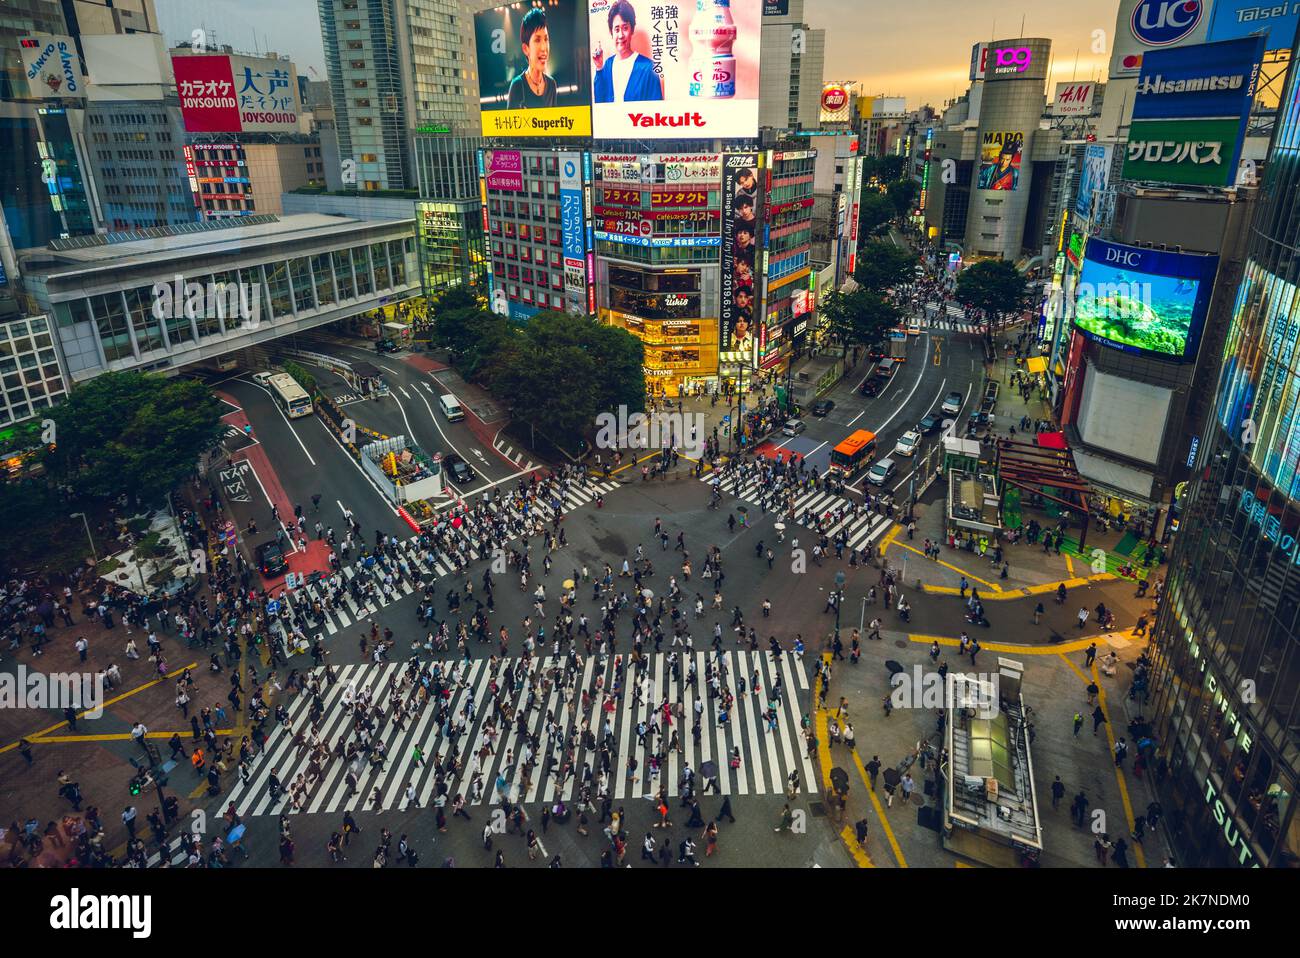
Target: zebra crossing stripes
{"type": "Point", "coordinates": [349, 611]}
{"type": "Point", "coordinates": [861, 529]}
{"type": "Point", "coordinates": [767, 758]}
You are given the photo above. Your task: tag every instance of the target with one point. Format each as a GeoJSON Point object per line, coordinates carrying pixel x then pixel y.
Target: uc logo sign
{"type": "Point", "coordinates": [1160, 23]}
{"type": "Point", "coordinates": [570, 168]}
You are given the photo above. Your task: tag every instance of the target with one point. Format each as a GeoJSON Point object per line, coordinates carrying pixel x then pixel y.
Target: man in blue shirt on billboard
{"type": "Point", "coordinates": [627, 76]}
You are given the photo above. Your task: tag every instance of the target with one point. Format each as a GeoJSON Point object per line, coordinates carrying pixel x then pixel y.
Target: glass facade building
{"type": "Point", "coordinates": [1227, 640]}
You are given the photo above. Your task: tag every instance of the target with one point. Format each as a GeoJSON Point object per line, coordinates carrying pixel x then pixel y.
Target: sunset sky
{"type": "Point", "coordinates": [919, 49]}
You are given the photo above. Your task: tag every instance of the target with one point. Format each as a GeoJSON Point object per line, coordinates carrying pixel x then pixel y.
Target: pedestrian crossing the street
{"type": "Point", "coordinates": [861, 530]}
{"type": "Point", "coordinates": [767, 757]}
{"type": "Point", "coordinates": [349, 610]}
{"type": "Point", "coordinates": [952, 318]}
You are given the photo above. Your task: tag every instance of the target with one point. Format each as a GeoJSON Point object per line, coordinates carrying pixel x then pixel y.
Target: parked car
{"type": "Point", "coordinates": [929, 424]}
{"type": "Point", "coordinates": [881, 472]}
{"type": "Point", "coordinates": [952, 405]}
{"type": "Point", "coordinates": [459, 470]}
{"type": "Point", "coordinates": [907, 443]}
{"type": "Point", "coordinates": [822, 406]}
{"type": "Point", "coordinates": [793, 427]}
{"type": "Point", "coordinates": [270, 559]}
{"type": "Point", "coordinates": [386, 346]}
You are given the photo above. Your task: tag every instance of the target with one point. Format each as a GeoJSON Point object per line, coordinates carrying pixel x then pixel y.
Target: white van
{"type": "Point", "coordinates": [451, 408]}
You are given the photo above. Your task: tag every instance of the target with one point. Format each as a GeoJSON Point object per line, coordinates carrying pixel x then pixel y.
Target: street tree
{"type": "Point", "coordinates": [875, 214]}
{"type": "Point", "coordinates": [860, 318]}
{"type": "Point", "coordinates": [995, 287]}
{"type": "Point", "coordinates": [883, 265]}
{"type": "Point", "coordinates": [133, 433]}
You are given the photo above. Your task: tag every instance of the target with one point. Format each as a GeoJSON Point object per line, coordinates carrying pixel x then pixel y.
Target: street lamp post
{"type": "Point", "coordinates": [839, 600]}
{"type": "Point", "coordinates": [86, 522]}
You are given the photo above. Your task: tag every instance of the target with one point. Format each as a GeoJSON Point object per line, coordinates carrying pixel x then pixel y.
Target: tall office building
{"type": "Point", "coordinates": [1227, 640]}
{"type": "Point", "coordinates": [395, 66]}
{"type": "Point", "coordinates": [794, 58]}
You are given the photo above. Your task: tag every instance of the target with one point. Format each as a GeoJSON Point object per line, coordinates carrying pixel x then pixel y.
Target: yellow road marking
{"type": "Point", "coordinates": [113, 701]}
{"type": "Point", "coordinates": [1119, 772]}
{"type": "Point", "coordinates": [117, 736]}
{"type": "Point", "coordinates": [880, 810]}
{"type": "Point", "coordinates": [1020, 593]}
{"type": "Point", "coordinates": [824, 758]}
{"type": "Point", "coordinates": [992, 585]}
{"type": "Point", "coordinates": [1076, 646]}
{"type": "Point", "coordinates": [1069, 563]}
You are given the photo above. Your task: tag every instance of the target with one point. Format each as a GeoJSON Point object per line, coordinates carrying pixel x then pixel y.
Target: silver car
{"type": "Point", "coordinates": [793, 427]}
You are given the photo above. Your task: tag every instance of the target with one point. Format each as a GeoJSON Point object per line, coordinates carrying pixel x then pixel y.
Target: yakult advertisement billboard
{"type": "Point", "coordinates": [685, 69]}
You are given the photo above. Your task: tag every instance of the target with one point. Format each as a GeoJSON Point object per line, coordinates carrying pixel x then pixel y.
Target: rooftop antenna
{"type": "Point", "coordinates": [1022, 26]}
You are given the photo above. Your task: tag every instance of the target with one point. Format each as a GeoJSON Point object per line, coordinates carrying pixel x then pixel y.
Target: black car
{"type": "Point", "coordinates": [822, 406]}
{"type": "Point", "coordinates": [929, 424]}
{"type": "Point", "coordinates": [270, 559]}
{"type": "Point", "coordinates": [386, 346]}
{"type": "Point", "coordinates": [876, 352]}
{"type": "Point", "coordinates": [458, 468]}
{"type": "Point", "coordinates": [872, 387]}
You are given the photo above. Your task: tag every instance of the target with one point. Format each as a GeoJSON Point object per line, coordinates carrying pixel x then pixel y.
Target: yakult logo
{"type": "Point", "coordinates": [1013, 59]}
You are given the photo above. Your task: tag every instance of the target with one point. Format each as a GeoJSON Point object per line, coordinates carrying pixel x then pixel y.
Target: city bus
{"type": "Point", "coordinates": [289, 396]}
{"type": "Point", "coordinates": [854, 453]}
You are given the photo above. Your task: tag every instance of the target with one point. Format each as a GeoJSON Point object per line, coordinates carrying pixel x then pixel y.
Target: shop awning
{"type": "Point", "coordinates": [1052, 440]}
{"type": "Point", "coordinates": [1036, 364]}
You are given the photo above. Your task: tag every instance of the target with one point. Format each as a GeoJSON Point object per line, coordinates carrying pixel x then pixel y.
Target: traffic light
{"type": "Point", "coordinates": [135, 785]}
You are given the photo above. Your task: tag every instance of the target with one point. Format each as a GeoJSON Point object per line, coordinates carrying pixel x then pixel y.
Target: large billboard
{"type": "Point", "coordinates": [1093, 177]}
{"type": "Point", "coordinates": [1143, 300]}
{"type": "Point", "coordinates": [1276, 19]}
{"type": "Point", "coordinates": [776, 8]}
{"type": "Point", "coordinates": [979, 55]}
{"type": "Point", "coordinates": [1200, 81]}
{"type": "Point", "coordinates": [685, 70]}
{"type": "Point", "coordinates": [1146, 25]}
{"type": "Point", "coordinates": [235, 94]}
{"type": "Point", "coordinates": [1074, 98]}
{"type": "Point", "coordinates": [836, 103]}
{"type": "Point", "coordinates": [1000, 154]}
{"type": "Point", "coordinates": [504, 170]}
{"type": "Point", "coordinates": [1184, 152]}
{"type": "Point", "coordinates": [52, 65]}
{"type": "Point", "coordinates": [573, 231]}
{"type": "Point", "coordinates": [741, 203]}
{"type": "Point", "coordinates": [533, 69]}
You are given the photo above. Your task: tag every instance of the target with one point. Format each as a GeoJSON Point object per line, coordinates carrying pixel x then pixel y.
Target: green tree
{"type": "Point", "coordinates": [883, 265]}
{"type": "Point", "coordinates": [564, 369]}
{"type": "Point", "coordinates": [473, 336]}
{"type": "Point", "coordinates": [875, 214]}
{"type": "Point", "coordinates": [903, 194]}
{"type": "Point", "coordinates": [995, 287]}
{"type": "Point", "coordinates": [860, 318]}
{"type": "Point", "coordinates": [304, 379]}
{"type": "Point", "coordinates": [134, 433]}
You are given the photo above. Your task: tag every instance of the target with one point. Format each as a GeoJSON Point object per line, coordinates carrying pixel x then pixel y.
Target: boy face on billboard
{"type": "Point", "coordinates": [620, 32]}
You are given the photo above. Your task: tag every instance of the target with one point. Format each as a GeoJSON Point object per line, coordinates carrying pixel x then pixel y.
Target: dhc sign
{"type": "Point", "coordinates": [1160, 23]}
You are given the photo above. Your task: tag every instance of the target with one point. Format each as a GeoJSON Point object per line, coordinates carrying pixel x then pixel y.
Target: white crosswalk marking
{"type": "Point", "coordinates": [952, 317]}
{"type": "Point", "coordinates": [767, 757]}
{"type": "Point", "coordinates": [860, 530]}
{"type": "Point", "coordinates": [347, 612]}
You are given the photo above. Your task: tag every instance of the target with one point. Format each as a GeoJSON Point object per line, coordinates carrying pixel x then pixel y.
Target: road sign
{"type": "Point", "coordinates": [727, 418]}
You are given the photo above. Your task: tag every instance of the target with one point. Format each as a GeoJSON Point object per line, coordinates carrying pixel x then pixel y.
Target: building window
{"type": "Point", "coordinates": [300, 277]}
{"type": "Point", "coordinates": [343, 272]}
{"type": "Point", "coordinates": [277, 283]}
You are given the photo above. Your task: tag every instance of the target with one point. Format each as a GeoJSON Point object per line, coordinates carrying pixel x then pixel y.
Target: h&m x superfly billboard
{"type": "Point", "coordinates": [676, 69]}
{"type": "Point", "coordinates": [1208, 80]}
{"type": "Point", "coordinates": [741, 207]}
{"type": "Point", "coordinates": [533, 69]}
{"type": "Point", "coordinates": [1143, 300]}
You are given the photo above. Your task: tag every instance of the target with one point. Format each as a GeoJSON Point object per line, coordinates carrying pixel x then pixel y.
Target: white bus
{"type": "Point", "coordinates": [291, 398]}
